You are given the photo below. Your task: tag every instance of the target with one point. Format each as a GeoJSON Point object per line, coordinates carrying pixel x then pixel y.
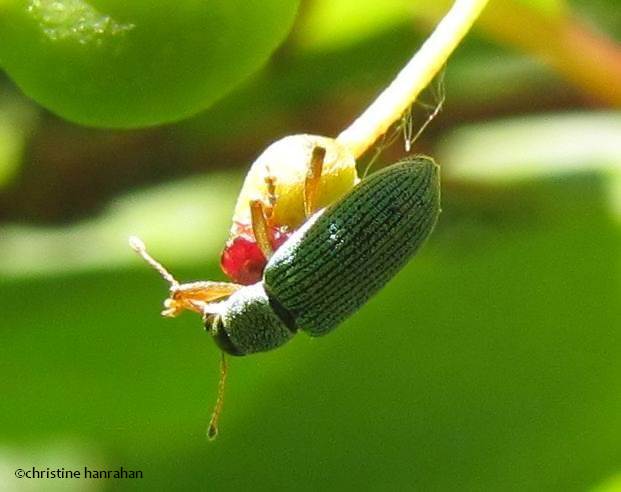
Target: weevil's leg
{"type": "Point", "coordinates": [212, 428]}
{"type": "Point", "coordinates": [197, 296]}
{"type": "Point", "coordinates": [313, 176]}
{"type": "Point", "coordinates": [260, 227]}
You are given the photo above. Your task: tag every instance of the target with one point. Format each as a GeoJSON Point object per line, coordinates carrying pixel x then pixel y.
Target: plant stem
{"type": "Point", "coordinates": [415, 76]}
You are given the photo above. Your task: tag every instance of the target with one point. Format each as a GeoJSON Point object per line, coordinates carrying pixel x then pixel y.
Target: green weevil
{"type": "Point", "coordinates": [327, 269]}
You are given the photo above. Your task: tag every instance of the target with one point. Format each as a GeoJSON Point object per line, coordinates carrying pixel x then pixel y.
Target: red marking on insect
{"type": "Point", "coordinates": [242, 260]}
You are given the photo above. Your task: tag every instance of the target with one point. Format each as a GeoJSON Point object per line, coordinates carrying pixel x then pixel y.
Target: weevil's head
{"type": "Point", "coordinates": [247, 322]}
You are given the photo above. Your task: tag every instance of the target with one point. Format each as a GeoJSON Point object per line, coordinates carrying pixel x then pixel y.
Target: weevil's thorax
{"type": "Point", "coordinates": [248, 323]}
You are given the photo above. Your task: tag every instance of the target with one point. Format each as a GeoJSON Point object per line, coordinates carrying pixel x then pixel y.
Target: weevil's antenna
{"type": "Point", "coordinates": [138, 246]}
{"type": "Point", "coordinates": [212, 429]}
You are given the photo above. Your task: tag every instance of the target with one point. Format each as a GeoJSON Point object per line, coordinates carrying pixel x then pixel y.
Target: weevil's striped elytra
{"type": "Point", "coordinates": [333, 265]}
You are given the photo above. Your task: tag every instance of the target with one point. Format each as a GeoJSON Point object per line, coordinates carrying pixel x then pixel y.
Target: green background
{"type": "Point", "coordinates": [491, 362]}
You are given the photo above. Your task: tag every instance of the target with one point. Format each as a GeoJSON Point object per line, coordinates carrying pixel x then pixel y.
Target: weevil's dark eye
{"type": "Point", "coordinates": [221, 337]}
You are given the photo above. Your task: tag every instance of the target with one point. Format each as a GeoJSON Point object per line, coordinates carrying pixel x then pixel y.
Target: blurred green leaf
{"type": "Point", "coordinates": [528, 148]}
{"type": "Point", "coordinates": [533, 146]}
{"type": "Point", "coordinates": [114, 63]}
